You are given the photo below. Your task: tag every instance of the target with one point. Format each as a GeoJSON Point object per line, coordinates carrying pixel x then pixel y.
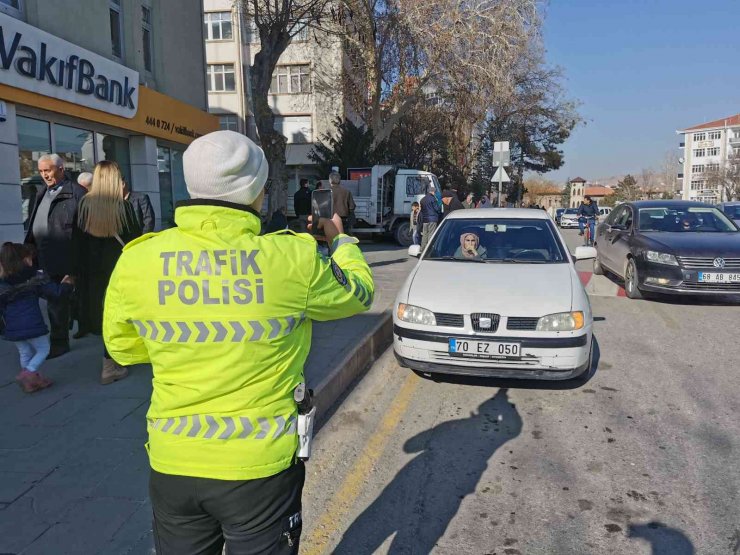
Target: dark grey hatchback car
{"type": "Point", "coordinates": [673, 247]}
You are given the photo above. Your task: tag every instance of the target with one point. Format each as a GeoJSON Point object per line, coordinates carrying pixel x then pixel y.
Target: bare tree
{"type": "Point", "coordinates": [538, 189]}
{"type": "Point", "coordinates": [667, 176]}
{"type": "Point", "coordinates": [277, 22]}
{"type": "Point", "coordinates": [649, 183]}
{"type": "Point", "coordinates": [726, 177]}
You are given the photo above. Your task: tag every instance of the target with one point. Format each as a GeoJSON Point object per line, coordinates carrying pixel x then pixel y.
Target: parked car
{"type": "Point", "coordinates": [495, 294]}
{"type": "Point", "coordinates": [569, 218]}
{"type": "Point", "coordinates": [731, 210]}
{"type": "Point", "coordinates": [675, 247]}
{"type": "Point", "coordinates": [558, 213]}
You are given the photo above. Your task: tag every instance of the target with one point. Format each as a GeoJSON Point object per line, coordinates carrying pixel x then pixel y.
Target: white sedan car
{"type": "Point", "coordinates": [496, 294]}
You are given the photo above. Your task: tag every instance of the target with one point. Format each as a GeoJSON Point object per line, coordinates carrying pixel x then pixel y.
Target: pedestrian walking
{"type": "Point", "coordinates": [302, 203]}
{"type": "Point", "coordinates": [431, 214]}
{"type": "Point", "coordinates": [414, 223]}
{"type": "Point", "coordinates": [77, 310]}
{"type": "Point", "coordinates": [224, 316]}
{"type": "Point", "coordinates": [107, 222]}
{"type": "Point", "coordinates": [21, 320]}
{"type": "Point", "coordinates": [468, 202]}
{"type": "Point", "coordinates": [52, 230]}
{"type": "Point", "coordinates": [344, 204]}
{"type": "Point", "coordinates": [142, 206]}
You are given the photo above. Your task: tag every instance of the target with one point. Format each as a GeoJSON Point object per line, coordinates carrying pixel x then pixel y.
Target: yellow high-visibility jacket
{"type": "Point", "coordinates": [224, 316]}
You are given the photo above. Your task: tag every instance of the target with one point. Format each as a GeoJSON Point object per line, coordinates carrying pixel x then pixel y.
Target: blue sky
{"type": "Point", "coordinates": [641, 69]}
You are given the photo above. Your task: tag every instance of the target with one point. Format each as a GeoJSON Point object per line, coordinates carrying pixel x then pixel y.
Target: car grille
{"type": "Point", "coordinates": [475, 319]}
{"type": "Point", "coordinates": [695, 286]}
{"type": "Point", "coordinates": [521, 324]}
{"type": "Point", "coordinates": [449, 320]}
{"type": "Point", "coordinates": [703, 262]}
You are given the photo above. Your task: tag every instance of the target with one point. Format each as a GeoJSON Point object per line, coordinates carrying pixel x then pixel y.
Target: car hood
{"type": "Point", "coordinates": [697, 244]}
{"type": "Point", "coordinates": [508, 289]}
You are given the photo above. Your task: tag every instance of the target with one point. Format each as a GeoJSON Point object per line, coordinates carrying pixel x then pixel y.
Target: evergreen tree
{"type": "Point", "coordinates": [349, 147]}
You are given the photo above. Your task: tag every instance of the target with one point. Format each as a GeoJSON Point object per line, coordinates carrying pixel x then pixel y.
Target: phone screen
{"type": "Point", "coordinates": [321, 207]}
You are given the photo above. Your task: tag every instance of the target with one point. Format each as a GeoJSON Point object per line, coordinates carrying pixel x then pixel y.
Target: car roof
{"type": "Point", "coordinates": [495, 213]}
{"type": "Point", "coordinates": [668, 204]}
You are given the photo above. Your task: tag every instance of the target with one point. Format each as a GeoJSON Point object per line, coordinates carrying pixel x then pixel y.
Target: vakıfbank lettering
{"type": "Point", "coordinates": [44, 63]}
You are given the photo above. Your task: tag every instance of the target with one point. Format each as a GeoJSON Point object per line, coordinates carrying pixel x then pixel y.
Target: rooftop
{"type": "Point", "coordinates": [717, 124]}
{"type": "Point", "coordinates": [598, 191]}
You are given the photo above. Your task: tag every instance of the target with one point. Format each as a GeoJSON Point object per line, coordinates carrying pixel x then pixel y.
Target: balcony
{"type": "Point", "coordinates": [735, 140]}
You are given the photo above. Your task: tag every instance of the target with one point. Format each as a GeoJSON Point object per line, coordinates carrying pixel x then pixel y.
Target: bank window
{"type": "Point", "coordinates": [116, 149]}
{"type": "Point", "coordinates": [217, 26]}
{"type": "Point", "coordinates": [715, 135]}
{"type": "Point", "coordinates": [296, 129]}
{"type": "Point", "coordinates": [11, 7]}
{"type": "Point", "coordinates": [220, 77]}
{"type": "Point", "coordinates": [699, 152]}
{"type": "Point", "coordinates": [116, 29]}
{"type": "Point", "coordinates": [291, 79]}
{"type": "Point", "coordinates": [34, 140]}
{"type": "Point", "coordinates": [713, 151]}
{"type": "Point", "coordinates": [229, 122]}
{"type": "Point", "coordinates": [146, 36]}
{"type": "Point", "coordinates": [700, 136]}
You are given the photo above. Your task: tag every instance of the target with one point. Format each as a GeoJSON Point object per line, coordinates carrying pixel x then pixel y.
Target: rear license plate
{"type": "Point", "coordinates": [714, 277]}
{"type": "Point", "coordinates": [484, 349]}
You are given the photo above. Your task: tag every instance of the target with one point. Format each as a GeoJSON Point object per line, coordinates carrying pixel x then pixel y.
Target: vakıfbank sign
{"type": "Point", "coordinates": [36, 61]}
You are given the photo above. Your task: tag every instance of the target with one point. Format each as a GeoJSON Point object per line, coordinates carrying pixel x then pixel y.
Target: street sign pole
{"type": "Point", "coordinates": [501, 158]}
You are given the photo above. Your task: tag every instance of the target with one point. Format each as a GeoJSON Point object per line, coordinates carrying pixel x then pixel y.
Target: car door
{"type": "Point", "coordinates": [602, 241]}
{"type": "Point", "coordinates": [618, 235]}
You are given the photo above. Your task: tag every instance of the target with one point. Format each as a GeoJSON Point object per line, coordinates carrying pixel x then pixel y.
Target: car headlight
{"type": "Point", "coordinates": [562, 321]}
{"type": "Point", "coordinates": [661, 258]}
{"type": "Point", "coordinates": [416, 315]}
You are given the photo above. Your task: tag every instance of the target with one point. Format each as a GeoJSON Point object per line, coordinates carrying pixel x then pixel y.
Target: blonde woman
{"type": "Point", "coordinates": [106, 222]}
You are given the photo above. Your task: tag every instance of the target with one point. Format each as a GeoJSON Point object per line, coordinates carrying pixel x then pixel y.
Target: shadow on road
{"type": "Point", "coordinates": [663, 540]}
{"type": "Point", "coordinates": [574, 383]}
{"type": "Point", "coordinates": [418, 505]}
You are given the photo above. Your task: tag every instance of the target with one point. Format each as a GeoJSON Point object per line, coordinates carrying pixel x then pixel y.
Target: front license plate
{"type": "Point", "coordinates": [484, 349]}
{"type": "Point", "coordinates": [714, 277]}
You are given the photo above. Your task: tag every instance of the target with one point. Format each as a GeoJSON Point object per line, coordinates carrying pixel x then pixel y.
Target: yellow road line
{"type": "Point", "coordinates": [351, 488]}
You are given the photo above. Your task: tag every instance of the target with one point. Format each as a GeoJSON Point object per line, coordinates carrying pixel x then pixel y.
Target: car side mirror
{"type": "Point", "coordinates": [415, 251]}
{"type": "Point", "coordinates": [584, 253]}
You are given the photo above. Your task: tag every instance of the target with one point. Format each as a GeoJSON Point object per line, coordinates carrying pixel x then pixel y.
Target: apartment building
{"type": "Point", "coordinates": [706, 148]}
{"type": "Point", "coordinates": [306, 93]}
{"type": "Point", "coordinates": [96, 80]}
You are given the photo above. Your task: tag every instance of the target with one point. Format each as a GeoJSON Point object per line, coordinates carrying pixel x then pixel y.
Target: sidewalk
{"type": "Point", "coordinates": [73, 470]}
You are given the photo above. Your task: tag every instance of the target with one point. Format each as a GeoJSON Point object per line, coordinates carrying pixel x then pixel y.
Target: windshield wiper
{"type": "Point", "coordinates": [480, 261]}
{"type": "Point", "coordinates": [519, 261]}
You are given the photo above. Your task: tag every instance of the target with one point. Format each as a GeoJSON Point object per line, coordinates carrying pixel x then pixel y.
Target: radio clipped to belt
{"type": "Point", "coordinates": [306, 417]}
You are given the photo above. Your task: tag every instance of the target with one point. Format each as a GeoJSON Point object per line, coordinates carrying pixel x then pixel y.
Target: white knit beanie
{"type": "Point", "coordinates": [225, 165]}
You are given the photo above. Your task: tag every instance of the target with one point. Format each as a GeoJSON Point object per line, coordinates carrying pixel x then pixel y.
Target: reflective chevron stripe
{"type": "Point", "coordinates": [362, 294]}
{"type": "Point", "coordinates": [232, 331]}
{"type": "Point", "coordinates": [339, 241]}
{"type": "Point", "coordinates": [208, 426]}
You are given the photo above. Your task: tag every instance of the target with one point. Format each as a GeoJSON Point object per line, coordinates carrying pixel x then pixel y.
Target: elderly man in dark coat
{"type": "Point", "coordinates": [53, 229]}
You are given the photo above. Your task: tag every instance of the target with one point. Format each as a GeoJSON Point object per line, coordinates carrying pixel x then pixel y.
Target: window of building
{"type": "Point", "coordinates": [220, 77]}
{"type": "Point", "coordinates": [34, 139]}
{"type": "Point", "coordinates": [229, 122]}
{"type": "Point", "coordinates": [712, 167]}
{"type": "Point", "coordinates": [714, 135]}
{"type": "Point", "coordinates": [302, 32]}
{"type": "Point", "coordinates": [699, 152]}
{"type": "Point", "coordinates": [116, 28]}
{"type": "Point", "coordinates": [700, 136]}
{"type": "Point", "coordinates": [77, 148]}
{"type": "Point", "coordinates": [251, 33]}
{"type": "Point", "coordinates": [11, 7]}
{"type": "Point", "coordinates": [116, 149]}
{"type": "Point", "coordinates": [713, 151]}
{"type": "Point", "coordinates": [297, 129]}
{"type": "Point", "coordinates": [698, 168]}
{"type": "Point", "coordinates": [217, 26]}
{"type": "Point", "coordinates": [146, 37]}
{"type": "Point", "coordinates": [697, 184]}
{"type": "Point", "coordinates": [291, 80]}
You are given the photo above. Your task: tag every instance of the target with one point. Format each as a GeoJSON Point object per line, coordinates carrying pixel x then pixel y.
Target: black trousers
{"type": "Point", "coordinates": [59, 315]}
{"type": "Point", "coordinates": [196, 516]}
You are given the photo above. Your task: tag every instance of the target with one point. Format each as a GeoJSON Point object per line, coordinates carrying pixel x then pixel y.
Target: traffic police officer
{"type": "Point", "coordinates": [224, 317]}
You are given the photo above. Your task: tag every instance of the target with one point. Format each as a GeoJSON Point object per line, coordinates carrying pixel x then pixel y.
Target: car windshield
{"type": "Point", "coordinates": [501, 240]}
{"type": "Point", "coordinates": [732, 211]}
{"type": "Point", "coordinates": [571, 211]}
{"type": "Point", "coordinates": [685, 219]}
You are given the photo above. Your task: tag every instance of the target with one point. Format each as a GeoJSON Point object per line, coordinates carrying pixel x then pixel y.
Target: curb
{"type": "Point", "coordinates": [354, 365]}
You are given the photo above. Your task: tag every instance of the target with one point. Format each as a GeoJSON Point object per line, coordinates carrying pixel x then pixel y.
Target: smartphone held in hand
{"type": "Point", "coordinates": [321, 207]}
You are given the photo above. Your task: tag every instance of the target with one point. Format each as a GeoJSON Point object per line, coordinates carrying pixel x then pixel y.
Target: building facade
{"type": "Point", "coordinates": [707, 148]}
{"type": "Point", "coordinates": [306, 94]}
{"type": "Point", "coordinates": [96, 80]}
{"type": "Point", "coordinates": [580, 189]}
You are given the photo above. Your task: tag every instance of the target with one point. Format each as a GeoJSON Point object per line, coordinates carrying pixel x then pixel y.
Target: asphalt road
{"type": "Point", "coordinates": [640, 459]}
